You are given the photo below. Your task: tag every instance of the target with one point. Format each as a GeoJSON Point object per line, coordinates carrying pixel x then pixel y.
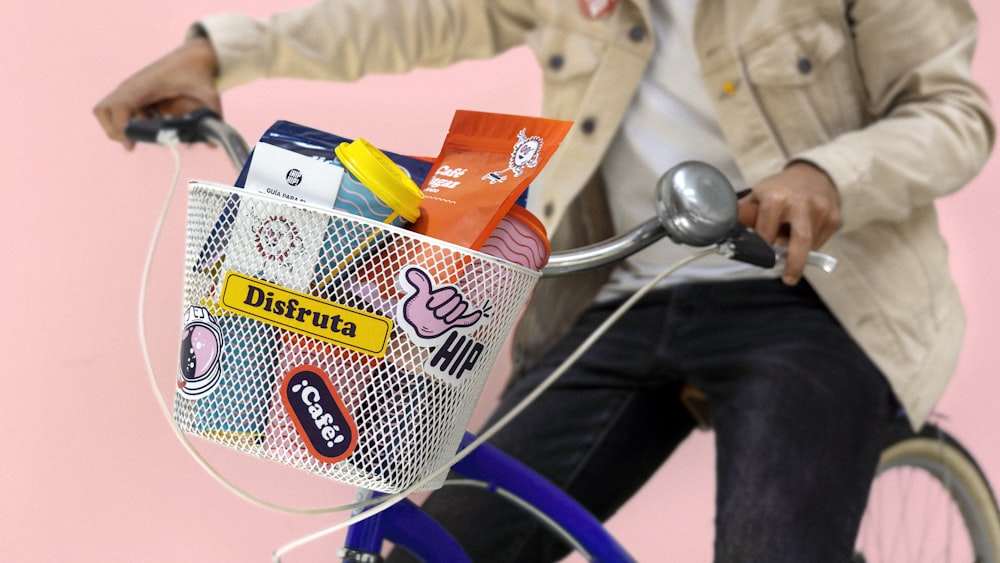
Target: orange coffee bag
{"type": "Point", "coordinates": [486, 163]}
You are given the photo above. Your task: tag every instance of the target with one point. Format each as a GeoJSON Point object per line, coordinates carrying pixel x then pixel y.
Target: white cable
{"type": "Point", "coordinates": [388, 501]}
{"type": "Point", "coordinates": [170, 142]}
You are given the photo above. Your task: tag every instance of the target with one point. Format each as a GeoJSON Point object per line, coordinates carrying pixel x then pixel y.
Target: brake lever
{"type": "Point", "coordinates": [745, 245]}
{"type": "Point", "coordinates": [820, 260]}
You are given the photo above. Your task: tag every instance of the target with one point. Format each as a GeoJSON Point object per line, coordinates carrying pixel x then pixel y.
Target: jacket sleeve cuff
{"type": "Point", "coordinates": [239, 45]}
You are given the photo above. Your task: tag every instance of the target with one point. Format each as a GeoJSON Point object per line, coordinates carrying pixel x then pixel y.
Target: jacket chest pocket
{"type": "Point", "coordinates": [805, 79]}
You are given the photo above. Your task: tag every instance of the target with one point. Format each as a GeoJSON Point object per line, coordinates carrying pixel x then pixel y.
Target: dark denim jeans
{"type": "Point", "coordinates": [797, 408]}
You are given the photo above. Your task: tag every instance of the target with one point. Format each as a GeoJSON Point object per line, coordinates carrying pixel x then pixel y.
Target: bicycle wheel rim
{"type": "Point", "coordinates": [930, 502]}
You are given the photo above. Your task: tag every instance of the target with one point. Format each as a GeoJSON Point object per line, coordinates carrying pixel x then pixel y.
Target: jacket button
{"type": "Point", "coordinates": [588, 125]}
{"type": "Point", "coordinates": [556, 62]}
{"type": "Point", "coordinates": [637, 33]}
{"type": "Point", "coordinates": [549, 209]}
{"type": "Point", "coordinates": [804, 65]}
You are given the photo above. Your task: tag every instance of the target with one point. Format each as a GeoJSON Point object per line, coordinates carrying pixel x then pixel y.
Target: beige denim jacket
{"type": "Point", "coordinates": [877, 93]}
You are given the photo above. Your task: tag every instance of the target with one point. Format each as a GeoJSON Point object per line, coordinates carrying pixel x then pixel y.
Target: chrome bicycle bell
{"type": "Point", "coordinates": [696, 204]}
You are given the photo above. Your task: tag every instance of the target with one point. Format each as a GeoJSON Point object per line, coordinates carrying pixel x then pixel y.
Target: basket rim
{"type": "Point", "coordinates": [211, 186]}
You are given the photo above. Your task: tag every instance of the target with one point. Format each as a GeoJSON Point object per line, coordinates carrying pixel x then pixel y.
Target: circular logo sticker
{"type": "Point", "coordinates": [277, 238]}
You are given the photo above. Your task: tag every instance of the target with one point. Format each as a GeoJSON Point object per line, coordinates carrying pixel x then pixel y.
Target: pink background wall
{"type": "Point", "coordinates": [90, 470]}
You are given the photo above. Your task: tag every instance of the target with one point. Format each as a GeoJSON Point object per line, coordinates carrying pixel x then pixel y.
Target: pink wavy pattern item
{"type": "Point", "coordinates": [515, 242]}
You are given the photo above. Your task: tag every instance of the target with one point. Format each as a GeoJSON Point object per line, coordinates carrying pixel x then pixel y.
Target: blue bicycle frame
{"type": "Point", "coordinates": [406, 526]}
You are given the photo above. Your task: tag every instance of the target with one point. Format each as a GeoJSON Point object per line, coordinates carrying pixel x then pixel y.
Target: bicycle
{"type": "Point", "coordinates": [697, 207]}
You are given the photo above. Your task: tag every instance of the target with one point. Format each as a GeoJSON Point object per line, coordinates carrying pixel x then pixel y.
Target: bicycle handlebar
{"type": "Point", "coordinates": [200, 126]}
{"type": "Point", "coordinates": [695, 204]}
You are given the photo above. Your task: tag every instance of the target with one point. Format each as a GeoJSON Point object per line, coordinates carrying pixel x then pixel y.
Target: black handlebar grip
{"type": "Point", "coordinates": [144, 130]}
{"type": "Point", "coordinates": [187, 127]}
{"type": "Point", "coordinates": [749, 247]}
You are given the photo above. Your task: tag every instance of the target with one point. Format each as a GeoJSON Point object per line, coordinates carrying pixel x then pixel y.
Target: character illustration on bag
{"type": "Point", "coordinates": [526, 152]}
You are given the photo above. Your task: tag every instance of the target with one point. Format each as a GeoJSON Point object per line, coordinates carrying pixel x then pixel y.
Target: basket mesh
{"type": "Point", "coordinates": [402, 331]}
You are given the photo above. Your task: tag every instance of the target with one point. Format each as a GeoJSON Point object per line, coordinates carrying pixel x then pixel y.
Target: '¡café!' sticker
{"type": "Point", "coordinates": [319, 415]}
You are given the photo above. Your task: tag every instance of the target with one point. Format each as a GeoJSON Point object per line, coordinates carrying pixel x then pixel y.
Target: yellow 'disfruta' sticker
{"type": "Point", "coordinates": [279, 306]}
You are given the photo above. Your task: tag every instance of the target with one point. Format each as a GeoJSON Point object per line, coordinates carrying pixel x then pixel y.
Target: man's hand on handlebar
{"type": "Point", "coordinates": [799, 208]}
{"type": "Point", "coordinates": [178, 83]}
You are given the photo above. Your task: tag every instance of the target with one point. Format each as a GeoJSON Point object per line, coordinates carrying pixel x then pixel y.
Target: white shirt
{"type": "Point", "coordinates": [670, 120]}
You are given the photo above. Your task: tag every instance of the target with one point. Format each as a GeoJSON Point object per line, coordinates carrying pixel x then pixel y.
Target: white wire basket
{"type": "Point", "coordinates": [343, 347]}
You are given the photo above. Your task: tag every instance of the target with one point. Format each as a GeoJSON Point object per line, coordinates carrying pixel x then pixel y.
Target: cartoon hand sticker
{"type": "Point", "coordinates": [432, 312]}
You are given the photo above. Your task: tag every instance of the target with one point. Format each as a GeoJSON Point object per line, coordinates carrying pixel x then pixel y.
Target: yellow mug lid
{"type": "Point", "coordinates": [382, 176]}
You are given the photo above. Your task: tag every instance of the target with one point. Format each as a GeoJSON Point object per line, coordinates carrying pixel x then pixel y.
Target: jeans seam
{"type": "Point", "coordinates": [600, 436]}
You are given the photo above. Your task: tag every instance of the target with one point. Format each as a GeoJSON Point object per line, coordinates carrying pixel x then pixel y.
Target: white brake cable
{"type": "Point", "coordinates": [389, 500]}
{"type": "Point", "coordinates": [170, 142]}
